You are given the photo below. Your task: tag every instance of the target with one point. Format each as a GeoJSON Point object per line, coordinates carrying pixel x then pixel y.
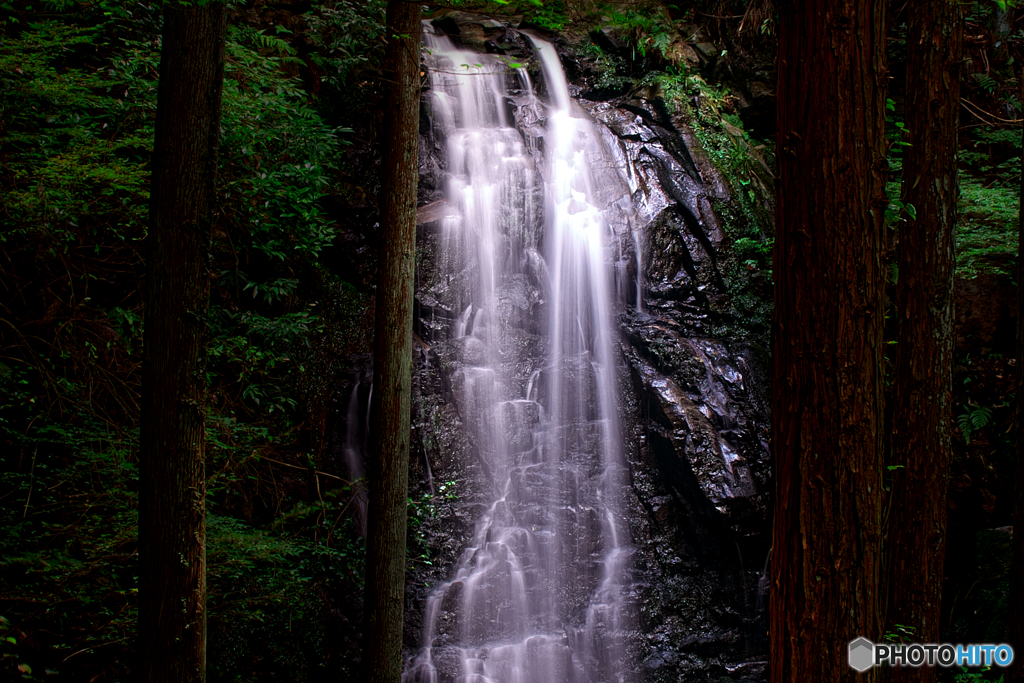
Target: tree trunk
{"type": "Point", "coordinates": [172, 480]}
{"type": "Point", "coordinates": [916, 529]}
{"type": "Point", "coordinates": [827, 337]}
{"type": "Point", "coordinates": [392, 352]}
{"type": "Point", "coordinates": [999, 38]}
{"type": "Point", "coordinates": [1015, 620]}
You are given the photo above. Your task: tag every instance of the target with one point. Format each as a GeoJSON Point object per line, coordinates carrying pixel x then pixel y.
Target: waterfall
{"type": "Point", "coordinates": [353, 450]}
{"type": "Point", "coordinates": [538, 595]}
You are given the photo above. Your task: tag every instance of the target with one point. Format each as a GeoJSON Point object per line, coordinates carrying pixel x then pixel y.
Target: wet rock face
{"type": "Point", "coordinates": [695, 395]}
{"type": "Point", "coordinates": [704, 400]}
{"type": "Point", "coordinates": [695, 407]}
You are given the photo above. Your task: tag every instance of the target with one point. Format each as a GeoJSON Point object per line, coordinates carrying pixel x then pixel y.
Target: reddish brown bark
{"type": "Point", "coordinates": [827, 337]}
{"type": "Point", "coordinates": [392, 352]}
{"type": "Point", "coordinates": [915, 540]}
{"type": "Point", "coordinates": [1015, 621]}
{"type": "Point", "coordinates": [172, 483]}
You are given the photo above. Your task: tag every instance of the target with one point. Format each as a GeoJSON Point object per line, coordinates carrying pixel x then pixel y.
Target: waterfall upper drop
{"type": "Point", "coordinates": [539, 595]}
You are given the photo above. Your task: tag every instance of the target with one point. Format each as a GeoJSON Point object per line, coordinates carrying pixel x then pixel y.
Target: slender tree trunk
{"type": "Point", "coordinates": [1015, 623]}
{"type": "Point", "coordinates": [916, 529]}
{"type": "Point", "coordinates": [392, 352]}
{"type": "Point", "coordinates": [827, 337]}
{"type": "Point", "coordinates": [172, 522]}
{"type": "Point", "coordinates": [999, 37]}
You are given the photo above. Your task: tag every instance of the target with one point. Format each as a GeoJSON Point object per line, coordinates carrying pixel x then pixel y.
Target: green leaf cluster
{"type": "Point", "coordinates": [973, 419]}
{"type": "Point", "coordinates": [77, 110]}
{"type": "Point", "coordinates": [986, 240]}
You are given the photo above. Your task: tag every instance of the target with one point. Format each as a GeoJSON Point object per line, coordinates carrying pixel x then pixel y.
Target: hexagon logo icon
{"type": "Point", "coordinates": [862, 654]}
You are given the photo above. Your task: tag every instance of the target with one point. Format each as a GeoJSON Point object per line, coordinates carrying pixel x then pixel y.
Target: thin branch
{"type": "Point", "coordinates": [305, 469]}
{"type": "Point", "coordinates": [31, 483]}
{"type": "Point", "coordinates": [968, 105]}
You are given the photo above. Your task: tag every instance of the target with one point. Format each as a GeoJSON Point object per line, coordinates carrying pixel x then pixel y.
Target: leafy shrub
{"type": "Point", "coordinates": [270, 594]}
{"type": "Point", "coordinates": [77, 105]}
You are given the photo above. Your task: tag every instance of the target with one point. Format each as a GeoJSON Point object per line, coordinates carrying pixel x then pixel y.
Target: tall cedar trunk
{"type": "Point", "coordinates": [1015, 625]}
{"type": "Point", "coordinates": [172, 522]}
{"type": "Point", "coordinates": [392, 352]}
{"type": "Point", "coordinates": [827, 337]}
{"type": "Point", "coordinates": [915, 540]}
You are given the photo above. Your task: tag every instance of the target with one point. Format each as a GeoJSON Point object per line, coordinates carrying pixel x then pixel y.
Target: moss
{"type": "Point", "coordinates": [986, 230]}
{"type": "Point", "coordinates": [746, 216]}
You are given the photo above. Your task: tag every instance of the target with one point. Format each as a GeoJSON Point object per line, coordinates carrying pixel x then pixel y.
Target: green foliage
{"type": "Point", "coordinates": [75, 137]}
{"type": "Point", "coordinates": [743, 159]}
{"type": "Point", "coordinates": [987, 229]}
{"type": "Point", "coordinates": [647, 30]}
{"type": "Point", "coordinates": [280, 49]}
{"type": "Point", "coordinates": [746, 163]}
{"type": "Point", "coordinates": [67, 562]}
{"type": "Point", "coordinates": [267, 565]}
{"type": "Point", "coordinates": [711, 108]}
{"type": "Point", "coordinates": [755, 253]}
{"type": "Point", "coordinates": [278, 155]}
{"type": "Point", "coordinates": [251, 356]}
{"type": "Point", "coordinates": [990, 158]}
{"type": "Point", "coordinates": [422, 511]}
{"type": "Point", "coordinates": [556, 16]}
{"type": "Point", "coordinates": [968, 676]}
{"type": "Point", "coordinates": [986, 82]}
{"type": "Point", "coordinates": [77, 102]}
{"type": "Point", "coordinates": [682, 88]}
{"type": "Point", "coordinates": [900, 634]}
{"type": "Point", "coordinates": [973, 419]}
{"type": "Point", "coordinates": [993, 154]}
{"type": "Point", "coordinates": [895, 130]}
{"type": "Point", "coordinates": [611, 70]}
{"type": "Point", "coordinates": [979, 612]}
{"type": "Point", "coordinates": [265, 591]}
{"type": "Point", "coordinates": [17, 13]}
{"type": "Point", "coordinates": [898, 210]}
{"type": "Point", "coordinates": [346, 36]}
{"type": "Point", "coordinates": [550, 14]}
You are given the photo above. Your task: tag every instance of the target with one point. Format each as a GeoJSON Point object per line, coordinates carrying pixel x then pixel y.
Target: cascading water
{"type": "Point", "coordinates": [353, 451]}
{"type": "Point", "coordinates": [538, 596]}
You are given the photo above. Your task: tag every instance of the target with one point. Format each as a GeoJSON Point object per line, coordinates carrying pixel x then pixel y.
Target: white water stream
{"type": "Point", "coordinates": [538, 596]}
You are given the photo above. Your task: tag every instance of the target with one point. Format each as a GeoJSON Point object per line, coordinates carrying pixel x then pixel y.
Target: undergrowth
{"type": "Point", "coordinates": [987, 229]}
{"type": "Point", "coordinates": [77, 104]}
